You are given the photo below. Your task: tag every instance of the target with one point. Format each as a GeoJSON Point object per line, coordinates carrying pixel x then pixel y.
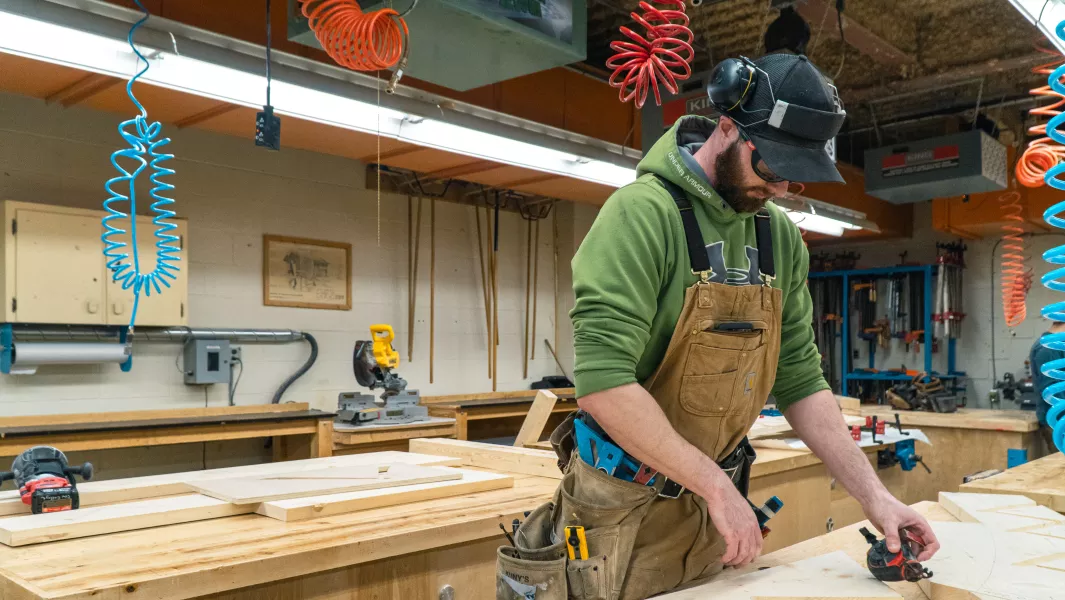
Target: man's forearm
{"type": "Point", "coordinates": [633, 419]}
{"type": "Point", "coordinates": [818, 422]}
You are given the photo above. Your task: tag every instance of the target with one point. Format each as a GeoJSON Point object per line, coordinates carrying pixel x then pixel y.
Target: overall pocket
{"type": "Point", "coordinates": [521, 579]}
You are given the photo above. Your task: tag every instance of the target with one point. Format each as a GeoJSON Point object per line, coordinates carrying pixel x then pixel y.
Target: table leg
{"type": "Point", "coordinates": [279, 448]}
{"type": "Point", "coordinates": [322, 440]}
{"type": "Point", "coordinates": [460, 424]}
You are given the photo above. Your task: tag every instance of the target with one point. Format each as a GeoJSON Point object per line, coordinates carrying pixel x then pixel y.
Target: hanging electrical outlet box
{"type": "Point", "coordinates": [962, 163]}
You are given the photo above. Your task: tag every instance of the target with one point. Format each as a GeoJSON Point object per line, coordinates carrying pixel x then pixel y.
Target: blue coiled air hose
{"type": "Point", "coordinates": [1054, 394]}
{"type": "Point", "coordinates": [144, 153]}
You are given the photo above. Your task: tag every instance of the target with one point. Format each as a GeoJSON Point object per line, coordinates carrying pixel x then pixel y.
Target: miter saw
{"type": "Point", "coordinates": [373, 362]}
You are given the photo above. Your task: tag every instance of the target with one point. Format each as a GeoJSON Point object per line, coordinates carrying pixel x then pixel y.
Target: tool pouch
{"type": "Point", "coordinates": [738, 466]}
{"type": "Point", "coordinates": [563, 441]}
{"type": "Point", "coordinates": [535, 567]}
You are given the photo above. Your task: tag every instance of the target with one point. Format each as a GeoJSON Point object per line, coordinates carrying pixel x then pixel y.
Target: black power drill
{"type": "Point", "coordinates": [45, 480]}
{"type": "Point", "coordinates": [886, 565]}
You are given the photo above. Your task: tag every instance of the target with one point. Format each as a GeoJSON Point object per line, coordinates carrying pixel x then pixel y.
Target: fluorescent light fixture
{"type": "Point", "coordinates": [1045, 15]}
{"type": "Point", "coordinates": [73, 48]}
{"type": "Point", "coordinates": [818, 224]}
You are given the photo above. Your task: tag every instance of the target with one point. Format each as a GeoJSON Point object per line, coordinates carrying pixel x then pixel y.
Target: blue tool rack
{"type": "Point", "coordinates": [845, 330]}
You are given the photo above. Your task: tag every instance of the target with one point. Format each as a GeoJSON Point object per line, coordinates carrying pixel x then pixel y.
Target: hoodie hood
{"type": "Point", "coordinates": [672, 157]}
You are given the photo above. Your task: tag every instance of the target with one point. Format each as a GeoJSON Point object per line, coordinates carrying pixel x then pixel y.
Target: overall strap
{"type": "Point", "coordinates": [700, 262]}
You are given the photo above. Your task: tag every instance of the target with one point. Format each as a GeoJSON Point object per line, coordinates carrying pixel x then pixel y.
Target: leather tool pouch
{"type": "Point", "coordinates": [535, 566]}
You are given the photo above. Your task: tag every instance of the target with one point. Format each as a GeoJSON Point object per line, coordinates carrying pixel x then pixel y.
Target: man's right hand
{"type": "Point", "coordinates": [735, 521]}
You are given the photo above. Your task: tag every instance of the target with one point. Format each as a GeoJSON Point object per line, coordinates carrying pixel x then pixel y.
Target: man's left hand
{"type": "Point", "coordinates": [889, 515]}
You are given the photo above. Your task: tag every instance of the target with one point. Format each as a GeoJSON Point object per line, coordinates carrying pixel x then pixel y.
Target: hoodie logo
{"type": "Point", "coordinates": [732, 276]}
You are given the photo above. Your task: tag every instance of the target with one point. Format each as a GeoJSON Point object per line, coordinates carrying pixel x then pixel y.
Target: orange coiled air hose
{"type": "Point", "coordinates": [1016, 279]}
{"type": "Point", "coordinates": [1042, 153]}
{"type": "Point", "coordinates": [355, 39]}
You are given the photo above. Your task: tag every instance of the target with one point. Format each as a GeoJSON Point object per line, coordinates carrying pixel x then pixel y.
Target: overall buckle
{"type": "Point", "coordinates": [671, 489]}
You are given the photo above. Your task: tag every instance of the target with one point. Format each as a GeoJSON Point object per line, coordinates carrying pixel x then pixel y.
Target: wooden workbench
{"type": "Point", "coordinates": [358, 439]}
{"type": "Point", "coordinates": [964, 442]}
{"type": "Point", "coordinates": [298, 432]}
{"type": "Point", "coordinates": [485, 416]}
{"type": "Point", "coordinates": [1042, 480]}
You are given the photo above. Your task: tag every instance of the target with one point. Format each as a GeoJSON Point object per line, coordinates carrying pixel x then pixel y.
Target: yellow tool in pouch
{"type": "Point", "coordinates": [576, 543]}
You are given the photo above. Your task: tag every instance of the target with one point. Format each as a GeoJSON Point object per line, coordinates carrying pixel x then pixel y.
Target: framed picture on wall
{"type": "Point", "coordinates": [304, 273]}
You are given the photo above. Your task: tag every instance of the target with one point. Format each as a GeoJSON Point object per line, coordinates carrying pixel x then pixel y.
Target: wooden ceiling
{"type": "Point", "coordinates": [72, 87]}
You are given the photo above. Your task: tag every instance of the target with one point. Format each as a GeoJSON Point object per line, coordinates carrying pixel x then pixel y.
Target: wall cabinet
{"type": "Point", "coordinates": [55, 271]}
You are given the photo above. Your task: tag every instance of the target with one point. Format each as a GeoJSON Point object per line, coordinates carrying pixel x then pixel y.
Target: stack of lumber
{"type": "Point", "coordinates": [286, 491]}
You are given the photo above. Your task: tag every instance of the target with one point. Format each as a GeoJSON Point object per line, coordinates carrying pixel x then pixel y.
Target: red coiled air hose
{"type": "Point", "coordinates": [354, 39]}
{"type": "Point", "coordinates": [659, 57]}
{"type": "Point", "coordinates": [1042, 152]}
{"type": "Point", "coordinates": [1016, 279]}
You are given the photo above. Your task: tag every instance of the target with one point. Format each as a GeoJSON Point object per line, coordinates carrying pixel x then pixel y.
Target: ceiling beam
{"type": "Point", "coordinates": [856, 35]}
{"type": "Point", "coordinates": [82, 89]}
{"type": "Point", "coordinates": [204, 115]}
{"type": "Point", "coordinates": [479, 166]}
{"type": "Point", "coordinates": [529, 181]}
{"type": "Point", "coordinates": [375, 158]}
{"type": "Point", "coordinates": [974, 71]}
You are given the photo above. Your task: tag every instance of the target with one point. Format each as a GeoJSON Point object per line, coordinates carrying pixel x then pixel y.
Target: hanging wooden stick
{"type": "Point", "coordinates": [495, 299]}
{"type": "Point", "coordinates": [554, 245]}
{"type": "Point", "coordinates": [536, 278]}
{"type": "Point", "coordinates": [414, 239]}
{"type": "Point", "coordinates": [432, 286]}
{"type": "Point", "coordinates": [484, 285]}
{"type": "Point", "coordinates": [528, 296]}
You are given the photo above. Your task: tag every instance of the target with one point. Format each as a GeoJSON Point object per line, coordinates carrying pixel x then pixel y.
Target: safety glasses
{"type": "Point", "coordinates": [757, 164]}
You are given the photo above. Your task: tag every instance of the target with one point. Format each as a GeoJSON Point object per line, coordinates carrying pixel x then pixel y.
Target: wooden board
{"type": "Point", "coordinates": [1042, 480]}
{"type": "Point", "coordinates": [1009, 513]}
{"type": "Point", "coordinates": [964, 418]}
{"type": "Point", "coordinates": [542, 463]}
{"type": "Point", "coordinates": [533, 426]}
{"type": "Point", "coordinates": [518, 394]}
{"type": "Point", "coordinates": [252, 490]}
{"type": "Point", "coordinates": [833, 575]}
{"type": "Point", "coordinates": [299, 509]}
{"type": "Point", "coordinates": [98, 520]}
{"type": "Point", "coordinates": [138, 488]}
{"type": "Point", "coordinates": [774, 426]}
{"type": "Point", "coordinates": [849, 406]}
{"type": "Point", "coordinates": [141, 415]}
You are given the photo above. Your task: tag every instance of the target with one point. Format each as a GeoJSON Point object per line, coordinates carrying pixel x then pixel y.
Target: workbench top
{"type": "Point", "coordinates": [349, 428]}
{"type": "Point", "coordinates": [208, 557]}
{"type": "Point", "coordinates": [1042, 480]}
{"type": "Point", "coordinates": [493, 398]}
{"type": "Point", "coordinates": [965, 418]}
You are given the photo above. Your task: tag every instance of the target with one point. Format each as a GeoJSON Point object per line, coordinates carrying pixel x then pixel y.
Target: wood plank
{"type": "Point", "coordinates": [849, 406]}
{"type": "Point", "coordinates": [533, 426]}
{"type": "Point", "coordinates": [775, 426]}
{"type": "Point", "coordinates": [1042, 480]}
{"type": "Point", "coordinates": [141, 415]}
{"type": "Point", "coordinates": [965, 418]}
{"type": "Point", "coordinates": [299, 509]}
{"type": "Point", "coordinates": [541, 463]}
{"type": "Point", "coordinates": [278, 487]}
{"type": "Point", "coordinates": [1009, 513]}
{"type": "Point", "coordinates": [832, 575]}
{"type": "Point", "coordinates": [137, 488]}
{"type": "Point", "coordinates": [99, 520]}
{"type": "Point", "coordinates": [151, 424]}
{"type": "Point", "coordinates": [518, 394]}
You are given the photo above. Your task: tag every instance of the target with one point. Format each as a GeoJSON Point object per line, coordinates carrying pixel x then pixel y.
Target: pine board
{"type": "Point", "coordinates": [98, 520]}
{"type": "Point", "coordinates": [300, 509]}
{"type": "Point", "coordinates": [264, 489]}
{"type": "Point", "coordinates": [95, 493]}
{"type": "Point", "coordinates": [1042, 480]}
{"type": "Point", "coordinates": [533, 425]}
{"type": "Point", "coordinates": [1005, 512]}
{"type": "Point", "coordinates": [834, 575]}
{"type": "Point", "coordinates": [526, 461]}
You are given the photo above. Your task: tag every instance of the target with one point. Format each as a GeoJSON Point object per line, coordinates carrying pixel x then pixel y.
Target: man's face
{"type": "Point", "coordinates": [738, 183]}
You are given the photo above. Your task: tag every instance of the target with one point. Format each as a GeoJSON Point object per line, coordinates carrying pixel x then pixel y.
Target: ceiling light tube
{"type": "Point", "coordinates": [818, 224]}
{"type": "Point", "coordinates": [1045, 15]}
{"type": "Point", "coordinates": [70, 47]}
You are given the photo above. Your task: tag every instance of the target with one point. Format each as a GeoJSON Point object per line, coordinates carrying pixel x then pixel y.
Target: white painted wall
{"type": "Point", "coordinates": [982, 304]}
{"type": "Point", "coordinates": [232, 193]}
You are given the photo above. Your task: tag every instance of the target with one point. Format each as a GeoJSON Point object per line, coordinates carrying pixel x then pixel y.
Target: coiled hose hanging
{"type": "Point", "coordinates": [662, 57]}
{"type": "Point", "coordinates": [299, 372]}
{"type": "Point", "coordinates": [1043, 152]}
{"type": "Point", "coordinates": [1016, 279]}
{"type": "Point", "coordinates": [1054, 394]}
{"type": "Point", "coordinates": [144, 152]}
{"type": "Point", "coordinates": [355, 39]}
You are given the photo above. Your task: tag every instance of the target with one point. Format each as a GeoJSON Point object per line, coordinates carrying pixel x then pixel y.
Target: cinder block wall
{"type": "Point", "coordinates": [232, 193]}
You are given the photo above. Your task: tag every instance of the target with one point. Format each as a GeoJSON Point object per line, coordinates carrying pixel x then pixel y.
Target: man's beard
{"type": "Point", "coordinates": [728, 167]}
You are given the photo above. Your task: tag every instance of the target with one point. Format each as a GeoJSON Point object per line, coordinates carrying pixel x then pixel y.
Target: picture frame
{"type": "Point", "coordinates": [306, 273]}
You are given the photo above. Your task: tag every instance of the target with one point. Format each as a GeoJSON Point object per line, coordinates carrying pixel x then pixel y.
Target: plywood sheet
{"type": "Point", "coordinates": [527, 461]}
{"type": "Point", "coordinates": [1005, 512]}
{"type": "Point", "coordinates": [299, 509]}
{"type": "Point", "coordinates": [252, 490]}
{"type": "Point", "coordinates": [1042, 480]}
{"type": "Point", "coordinates": [833, 575]}
{"type": "Point", "coordinates": [138, 488]}
{"type": "Point", "coordinates": [98, 520]}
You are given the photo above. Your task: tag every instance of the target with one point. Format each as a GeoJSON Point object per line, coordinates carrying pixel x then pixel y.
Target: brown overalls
{"type": "Point", "coordinates": [712, 383]}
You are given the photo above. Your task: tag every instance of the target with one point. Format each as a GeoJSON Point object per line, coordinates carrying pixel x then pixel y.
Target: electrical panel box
{"type": "Point", "coordinates": [207, 361]}
{"type": "Point", "coordinates": [963, 163]}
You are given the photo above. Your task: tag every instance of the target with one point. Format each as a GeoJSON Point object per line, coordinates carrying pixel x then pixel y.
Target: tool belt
{"type": "Point", "coordinates": [613, 460]}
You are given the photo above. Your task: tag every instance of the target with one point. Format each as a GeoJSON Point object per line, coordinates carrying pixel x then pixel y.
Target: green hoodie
{"type": "Point", "coordinates": [631, 271]}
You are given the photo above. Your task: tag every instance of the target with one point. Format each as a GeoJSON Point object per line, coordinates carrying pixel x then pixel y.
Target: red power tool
{"type": "Point", "coordinates": [886, 565]}
{"type": "Point", "coordinates": [45, 480]}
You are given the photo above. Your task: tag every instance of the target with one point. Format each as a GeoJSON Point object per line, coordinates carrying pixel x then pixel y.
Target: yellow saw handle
{"type": "Point", "coordinates": [383, 353]}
